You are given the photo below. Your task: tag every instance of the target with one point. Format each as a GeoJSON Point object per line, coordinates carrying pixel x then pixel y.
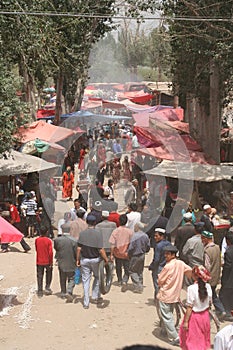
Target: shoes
{"type": "Point", "coordinates": [228, 317]}
{"type": "Point", "coordinates": [222, 315]}
{"type": "Point", "coordinates": [86, 307]}
{"type": "Point", "coordinates": [5, 250]}
{"type": "Point", "coordinates": [63, 295]}
{"type": "Point", "coordinates": [48, 291]}
{"type": "Point", "coordinates": [69, 298]}
{"type": "Point", "coordinates": [27, 250]}
{"type": "Point", "coordinates": [40, 294]}
{"type": "Point", "coordinates": [138, 290]}
{"type": "Point", "coordinates": [124, 287]}
{"type": "Point", "coordinates": [97, 301]}
{"type": "Point", "coordinates": [175, 342]}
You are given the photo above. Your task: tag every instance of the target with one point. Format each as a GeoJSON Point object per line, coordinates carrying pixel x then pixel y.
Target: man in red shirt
{"type": "Point", "coordinates": [114, 217]}
{"type": "Point", "coordinates": [44, 261]}
{"type": "Point", "coordinates": [15, 221]}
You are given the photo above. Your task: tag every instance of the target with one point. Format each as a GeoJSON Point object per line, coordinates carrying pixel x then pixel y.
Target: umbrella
{"type": "Point", "coordinates": [43, 131]}
{"type": "Point", "coordinates": [192, 171]}
{"type": "Point", "coordinates": [14, 163]}
{"type": "Point", "coordinates": [8, 233]}
{"type": "Point", "coordinates": [49, 89]}
{"type": "Point", "coordinates": [37, 145]}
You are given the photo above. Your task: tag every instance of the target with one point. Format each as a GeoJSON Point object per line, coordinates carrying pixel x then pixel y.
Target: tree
{"type": "Point", "coordinates": [58, 44]}
{"type": "Point", "coordinates": [202, 64]}
{"type": "Point", "coordinates": [12, 110]}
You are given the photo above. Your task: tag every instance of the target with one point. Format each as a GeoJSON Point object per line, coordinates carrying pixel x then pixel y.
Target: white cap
{"type": "Point", "coordinates": [206, 206]}
{"type": "Point", "coordinates": [187, 216]}
{"type": "Point", "coordinates": [161, 230]}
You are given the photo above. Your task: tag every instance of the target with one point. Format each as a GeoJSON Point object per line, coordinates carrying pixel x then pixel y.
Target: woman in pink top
{"type": "Point", "coordinates": [195, 329]}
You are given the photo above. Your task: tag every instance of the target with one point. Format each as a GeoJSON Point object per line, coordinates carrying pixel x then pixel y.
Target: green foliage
{"type": "Point", "coordinates": [195, 43]}
{"type": "Point", "coordinates": [13, 112]}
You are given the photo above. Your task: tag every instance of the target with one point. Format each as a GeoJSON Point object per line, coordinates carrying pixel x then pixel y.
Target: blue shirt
{"type": "Point", "coordinates": [159, 260]}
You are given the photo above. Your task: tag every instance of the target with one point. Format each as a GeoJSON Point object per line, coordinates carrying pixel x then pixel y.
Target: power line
{"type": "Point", "coordinates": [107, 16]}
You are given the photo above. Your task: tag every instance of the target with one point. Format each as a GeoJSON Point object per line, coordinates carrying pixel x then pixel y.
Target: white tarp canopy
{"type": "Point", "coordinates": [192, 171]}
{"type": "Point", "coordinates": [13, 163]}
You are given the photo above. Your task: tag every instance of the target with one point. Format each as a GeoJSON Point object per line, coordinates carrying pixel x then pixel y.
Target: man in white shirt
{"type": "Point", "coordinates": [224, 338]}
{"type": "Point", "coordinates": [133, 216]}
{"type": "Point", "coordinates": [77, 206]}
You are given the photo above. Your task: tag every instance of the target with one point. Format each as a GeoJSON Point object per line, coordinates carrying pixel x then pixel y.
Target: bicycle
{"type": "Point", "coordinates": [179, 310]}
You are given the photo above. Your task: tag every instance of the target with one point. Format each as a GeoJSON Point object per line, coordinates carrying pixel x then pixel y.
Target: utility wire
{"type": "Point", "coordinates": [86, 15]}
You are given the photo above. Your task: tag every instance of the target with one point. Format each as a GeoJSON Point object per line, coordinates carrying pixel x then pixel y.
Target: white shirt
{"type": "Point", "coordinates": [135, 143]}
{"type": "Point", "coordinates": [133, 218]}
{"type": "Point", "coordinates": [224, 338]}
{"type": "Point", "coordinates": [194, 300]}
{"type": "Point", "coordinates": [74, 216]}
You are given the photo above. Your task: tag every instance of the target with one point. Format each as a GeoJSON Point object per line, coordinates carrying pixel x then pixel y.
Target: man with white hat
{"type": "Point", "coordinates": [158, 261]}
{"type": "Point", "coordinates": [206, 218]}
{"type": "Point", "coordinates": [184, 233]}
{"type": "Point", "coordinates": [106, 227]}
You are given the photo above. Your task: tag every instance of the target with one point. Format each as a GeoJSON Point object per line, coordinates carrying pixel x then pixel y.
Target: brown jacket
{"type": "Point", "coordinates": [212, 261]}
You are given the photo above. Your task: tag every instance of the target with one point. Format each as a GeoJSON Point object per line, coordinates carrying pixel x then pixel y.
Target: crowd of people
{"type": "Point", "coordinates": [95, 229]}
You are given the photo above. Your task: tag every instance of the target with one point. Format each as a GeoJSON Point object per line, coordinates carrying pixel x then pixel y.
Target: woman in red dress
{"type": "Point", "coordinates": [127, 174]}
{"type": "Point", "coordinates": [81, 164]}
{"type": "Point", "coordinates": [67, 183]}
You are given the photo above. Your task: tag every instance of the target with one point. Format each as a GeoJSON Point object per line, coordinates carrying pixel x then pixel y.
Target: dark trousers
{"type": "Point", "coordinates": [226, 298]}
{"type": "Point", "coordinates": [122, 263]}
{"type": "Point", "coordinates": [64, 277]}
{"type": "Point", "coordinates": [40, 275]}
{"type": "Point", "coordinates": [24, 244]}
{"type": "Point", "coordinates": [216, 301]}
{"type": "Point", "coordinates": [136, 267]}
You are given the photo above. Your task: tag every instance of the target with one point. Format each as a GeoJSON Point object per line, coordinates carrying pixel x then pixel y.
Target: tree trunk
{"type": "Point", "coordinates": [58, 108]}
{"type": "Point", "coordinates": [79, 94]}
{"type": "Point", "coordinates": [215, 119]}
{"type": "Point", "coordinates": [205, 126]}
{"type": "Point", "coordinates": [28, 89]}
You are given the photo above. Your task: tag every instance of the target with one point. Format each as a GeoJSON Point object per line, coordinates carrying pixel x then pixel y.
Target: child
{"type": "Point", "coordinates": [195, 328]}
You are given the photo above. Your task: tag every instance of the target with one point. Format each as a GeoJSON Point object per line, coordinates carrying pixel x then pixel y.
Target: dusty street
{"type": "Point", "coordinates": [51, 324]}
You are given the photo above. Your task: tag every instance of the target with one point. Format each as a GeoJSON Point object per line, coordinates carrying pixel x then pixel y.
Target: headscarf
{"type": "Point", "coordinates": [202, 273]}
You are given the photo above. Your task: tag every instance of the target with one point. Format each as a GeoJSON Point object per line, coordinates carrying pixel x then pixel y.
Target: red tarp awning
{"type": "Point", "coordinates": [43, 113]}
{"type": "Point", "coordinates": [135, 96]}
{"type": "Point", "coordinates": [43, 131]}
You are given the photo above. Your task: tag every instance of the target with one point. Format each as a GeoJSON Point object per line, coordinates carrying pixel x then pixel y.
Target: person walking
{"type": "Point", "coordinates": [138, 247]}
{"type": "Point", "coordinates": [89, 252]}
{"type": "Point", "coordinates": [106, 228]}
{"type": "Point", "coordinates": [120, 240]}
{"type": "Point", "coordinates": [170, 281]}
{"type": "Point", "coordinates": [226, 290]}
{"type": "Point", "coordinates": [159, 260]}
{"type": "Point", "coordinates": [30, 206]}
{"type": "Point", "coordinates": [212, 262]}
{"type": "Point", "coordinates": [67, 183]}
{"type": "Point", "coordinates": [196, 322]}
{"type": "Point", "coordinates": [184, 232]}
{"type": "Point", "coordinates": [193, 250]}
{"type": "Point", "coordinates": [66, 250]}
{"type": "Point", "coordinates": [206, 218]}
{"type": "Point", "coordinates": [16, 221]}
{"type": "Point", "coordinates": [44, 262]}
